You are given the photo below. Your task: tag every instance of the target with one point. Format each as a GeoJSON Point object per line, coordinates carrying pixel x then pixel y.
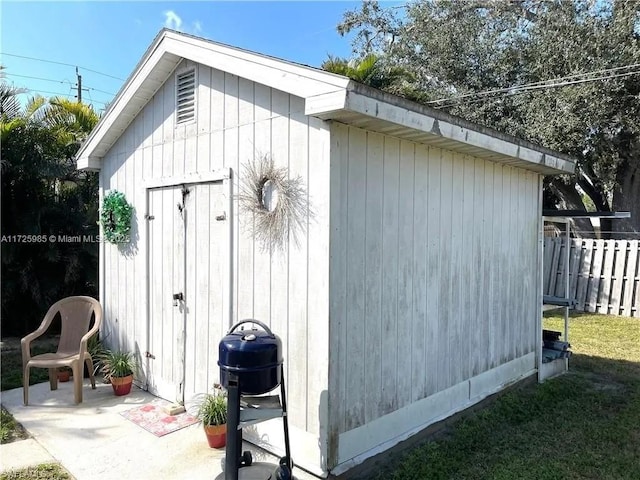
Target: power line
{"type": "Point", "coordinates": [61, 63]}
{"type": "Point", "coordinates": [102, 91]}
{"type": "Point", "coordinates": [70, 94]}
{"type": "Point", "coordinates": [96, 101]}
{"type": "Point", "coordinates": [36, 78]}
{"type": "Point", "coordinates": [583, 80]}
{"type": "Point", "coordinates": [498, 90]}
{"type": "Point", "coordinates": [517, 90]}
{"type": "Point", "coordinates": [538, 83]}
{"type": "Point", "coordinates": [521, 89]}
{"type": "Point", "coordinates": [90, 97]}
{"type": "Point", "coordinates": [59, 81]}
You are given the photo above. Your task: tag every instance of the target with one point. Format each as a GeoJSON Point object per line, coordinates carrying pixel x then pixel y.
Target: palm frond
{"type": "Point", "coordinates": [72, 120]}
{"type": "Point", "coordinates": [366, 67]}
{"type": "Point", "coordinates": [361, 70]}
{"type": "Point", "coordinates": [9, 104]}
{"type": "Point", "coordinates": [336, 65]}
{"type": "Point", "coordinates": [33, 110]}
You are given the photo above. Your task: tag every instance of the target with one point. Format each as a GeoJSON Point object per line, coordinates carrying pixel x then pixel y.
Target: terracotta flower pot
{"type": "Point", "coordinates": [121, 385]}
{"type": "Point", "coordinates": [64, 375]}
{"type": "Point", "coordinates": [216, 435]}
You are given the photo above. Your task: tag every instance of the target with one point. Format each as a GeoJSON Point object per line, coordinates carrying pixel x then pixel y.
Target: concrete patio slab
{"type": "Point", "coordinates": [22, 454]}
{"type": "Point", "coordinates": [94, 442]}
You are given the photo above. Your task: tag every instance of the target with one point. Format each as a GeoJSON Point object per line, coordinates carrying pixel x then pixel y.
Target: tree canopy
{"type": "Point", "coordinates": [564, 74]}
{"type": "Point", "coordinates": [43, 195]}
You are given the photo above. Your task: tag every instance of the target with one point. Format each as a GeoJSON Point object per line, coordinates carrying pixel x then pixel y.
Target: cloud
{"type": "Point", "coordinates": [172, 20]}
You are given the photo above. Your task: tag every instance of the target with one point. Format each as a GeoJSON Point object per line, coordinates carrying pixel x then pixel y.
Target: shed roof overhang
{"type": "Point", "coordinates": [372, 109]}
{"type": "Point", "coordinates": [327, 96]}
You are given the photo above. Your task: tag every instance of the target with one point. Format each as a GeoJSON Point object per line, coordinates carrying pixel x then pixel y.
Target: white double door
{"type": "Point", "coordinates": [188, 269]}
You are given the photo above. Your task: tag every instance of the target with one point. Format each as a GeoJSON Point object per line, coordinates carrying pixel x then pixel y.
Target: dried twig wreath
{"type": "Point", "coordinates": [278, 203]}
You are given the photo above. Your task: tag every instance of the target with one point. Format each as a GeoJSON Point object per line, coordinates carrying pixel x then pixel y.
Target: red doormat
{"type": "Point", "coordinates": [152, 418]}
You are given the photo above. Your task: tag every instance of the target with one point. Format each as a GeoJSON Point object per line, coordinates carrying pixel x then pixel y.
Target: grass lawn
{"type": "Point", "coordinates": [11, 358]}
{"type": "Point", "coordinates": [582, 425]}
{"type": "Point", "coordinates": [46, 471]}
{"type": "Point", "coordinates": [10, 430]}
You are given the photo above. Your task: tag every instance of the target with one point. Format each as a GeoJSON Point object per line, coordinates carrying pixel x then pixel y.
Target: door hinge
{"type": "Point", "coordinates": [150, 355]}
{"type": "Point", "coordinates": [149, 217]}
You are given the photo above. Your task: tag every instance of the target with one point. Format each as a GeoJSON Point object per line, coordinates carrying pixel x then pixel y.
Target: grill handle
{"type": "Point", "coordinates": [250, 320]}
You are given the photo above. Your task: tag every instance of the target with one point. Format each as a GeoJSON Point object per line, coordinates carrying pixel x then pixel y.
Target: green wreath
{"type": "Point", "coordinates": [115, 217]}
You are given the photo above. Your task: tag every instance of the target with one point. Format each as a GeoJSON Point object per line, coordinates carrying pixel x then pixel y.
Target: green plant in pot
{"type": "Point", "coordinates": [118, 368]}
{"type": "Point", "coordinates": [212, 412]}
{"type": "Point", "coordinates": [96, 349]}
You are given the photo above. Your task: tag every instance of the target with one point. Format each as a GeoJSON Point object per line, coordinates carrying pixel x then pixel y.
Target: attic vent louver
{"type": "Point", "coordinates": [185, 96]}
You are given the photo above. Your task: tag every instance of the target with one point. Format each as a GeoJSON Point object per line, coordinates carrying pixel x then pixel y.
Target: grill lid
{"type": "Point", "coordinates": [254, 356]}
{"type": "Point", "coordinates": [250, 350]}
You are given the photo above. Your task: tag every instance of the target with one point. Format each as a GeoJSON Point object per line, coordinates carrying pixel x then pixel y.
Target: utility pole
{"type": "Point", "coordinates": [79, 77]}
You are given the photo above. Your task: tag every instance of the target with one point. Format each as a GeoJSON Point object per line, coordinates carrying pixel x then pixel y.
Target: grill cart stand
{"type": "Point", "coordinates": [251, 365]}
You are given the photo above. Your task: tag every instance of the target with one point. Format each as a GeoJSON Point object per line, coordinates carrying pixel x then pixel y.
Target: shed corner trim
{"type": "Point", "coordinates": [325, 104]}
{"type": "Point", "coordinates": [90, 164]}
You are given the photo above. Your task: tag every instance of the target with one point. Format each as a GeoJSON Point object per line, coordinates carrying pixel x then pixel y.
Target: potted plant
{"type": "Point", "coordinates": [118, 368]}
{"type": "Point", "coordinates": [212, 412]}
{"type": "Point", "coordinates": [96, 349]}
{"type": "Point", "coordinates": [64, 374]}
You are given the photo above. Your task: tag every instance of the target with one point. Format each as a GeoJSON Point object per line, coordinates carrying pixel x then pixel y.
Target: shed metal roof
{"type": "Point", "coordinates": [327, 96]}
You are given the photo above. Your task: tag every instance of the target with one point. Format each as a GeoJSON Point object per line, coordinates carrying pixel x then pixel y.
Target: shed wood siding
{"type": "Point", "coordinates": [236, 119]}
{"type": "Point", "coordinates": [433, 271]}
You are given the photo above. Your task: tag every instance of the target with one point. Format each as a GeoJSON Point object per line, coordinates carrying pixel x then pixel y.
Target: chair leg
{"type": "Point", "coordinates": [89, 364]}
{"type": "Point", "coordinates": [25, 385]}
{"type": "Point", "coordinates": [77, 381]}
{"type": "Point", "coordinates": [53, 378]}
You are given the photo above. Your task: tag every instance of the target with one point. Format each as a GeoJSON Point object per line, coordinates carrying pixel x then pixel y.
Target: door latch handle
{"type": "Point", "coordinates": [177, 297]}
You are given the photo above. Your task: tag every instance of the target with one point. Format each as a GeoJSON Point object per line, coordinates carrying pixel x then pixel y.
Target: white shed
{"type": "Point", "coordinates": [414, 287]}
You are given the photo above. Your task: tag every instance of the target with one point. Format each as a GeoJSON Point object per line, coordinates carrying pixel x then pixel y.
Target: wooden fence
{"type": "Point", "coordinates": [604, 275]}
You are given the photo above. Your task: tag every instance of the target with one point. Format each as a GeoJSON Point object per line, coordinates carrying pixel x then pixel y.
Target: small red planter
{"type": "Point", "coordinates": [64, 375]}
{"type": "Point", "coordinates": [121, 385]}
{"type": "Point", "coordinates": [216, 435]}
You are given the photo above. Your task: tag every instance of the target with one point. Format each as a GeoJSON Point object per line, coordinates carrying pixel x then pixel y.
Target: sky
{"type": "Point", "coordinates": [106, 39]}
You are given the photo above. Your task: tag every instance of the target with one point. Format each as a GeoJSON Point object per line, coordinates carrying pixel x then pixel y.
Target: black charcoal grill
{"type": "Point", "coordinates": [251, 364]}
